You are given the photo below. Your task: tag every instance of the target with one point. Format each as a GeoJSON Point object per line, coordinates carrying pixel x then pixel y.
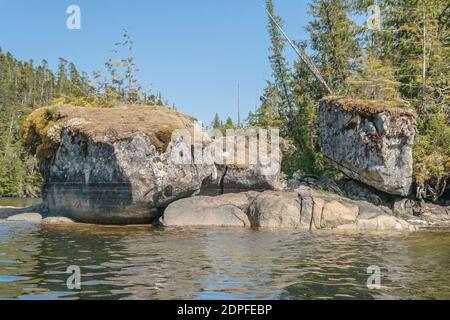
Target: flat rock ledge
{"type": "Point", "coordinates": [302, 209]}
{"type": "Point", "coordinates": [36, 214]}
{"type": "Point", "coordinates": [30, 217]}
{"type": "Point", "coordinates": [21, 213]}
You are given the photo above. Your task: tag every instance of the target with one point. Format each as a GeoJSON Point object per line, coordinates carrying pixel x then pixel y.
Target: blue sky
{"type": "Point", "coordinates": [194, 52]}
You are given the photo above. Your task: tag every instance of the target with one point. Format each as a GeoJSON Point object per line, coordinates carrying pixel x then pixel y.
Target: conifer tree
{"type": "Point", "coordinates": [267, 115]}
{"type": "Point", "coordinates": [374, 79]}
{"type": "Point", "coordinates": [62, 81]}
{"type": "Point", "coordinates": [229, 124]}
{"type": "Point", "coordinates": [217, 123]}
{"type": "Point", "coordinates": [333, 40]}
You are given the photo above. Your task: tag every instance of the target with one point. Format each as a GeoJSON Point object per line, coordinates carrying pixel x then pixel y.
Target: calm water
{"type": "Point", "coordinates": [18, 202]}
{"type": "Point", "coordinates": [147, 263]}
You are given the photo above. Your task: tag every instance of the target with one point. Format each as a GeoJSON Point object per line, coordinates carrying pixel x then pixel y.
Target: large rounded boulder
{"type": "Point", "coordinates": [113, 165]}
{"type": "Point", "coordinates": [121, 165]}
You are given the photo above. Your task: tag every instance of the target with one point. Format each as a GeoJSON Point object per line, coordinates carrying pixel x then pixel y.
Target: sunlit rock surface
{"type": "Point", "coordinates": [28, 217]}
{"type": "Point", "coordinates": [369, 141]}
{"type": "Point", "coordinates": [242, 165]}
{"type": "Point", "coordinates": [124, 165]}
{"type": "Point", "coordinates": [302, 209]}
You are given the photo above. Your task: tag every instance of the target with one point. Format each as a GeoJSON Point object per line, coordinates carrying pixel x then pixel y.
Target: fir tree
{"type": "Point", "coordinates": [333, 39]}
{"type": "Point", "coordinates": [217, 123]}
{"type": "Point", "coordinates": [280, 69]}
{"type": "Point", "coordinates": [229, 124]}
{"type": "Point", "coordinates": [268, 114]}
{"type": "Point", "coordinates": [375, 79]}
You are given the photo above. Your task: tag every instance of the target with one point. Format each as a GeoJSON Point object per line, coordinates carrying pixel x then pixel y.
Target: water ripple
{"type": "Point", "coordinates": [147, 263]}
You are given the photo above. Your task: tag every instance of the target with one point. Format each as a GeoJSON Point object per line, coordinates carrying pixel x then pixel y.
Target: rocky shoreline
{"type": "Point", "coordinates": [153, 165]}
{"type": "Point", "coordinates": [301, 209]}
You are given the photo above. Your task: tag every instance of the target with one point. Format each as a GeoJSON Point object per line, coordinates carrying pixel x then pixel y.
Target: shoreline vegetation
{"type": "Point", "coordinates": [374, 82]}
{"type": "Point", "coordinates": [99, 171]}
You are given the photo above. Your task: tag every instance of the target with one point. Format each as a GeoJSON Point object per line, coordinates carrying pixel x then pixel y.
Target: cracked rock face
{"type": "Point", "coordinates": [128, 181]}
{"type": "Point", "coordinates": [235, 173]}
{"type": "Point", "coordinates": [371, 146]}
{"type": "Point", "coordinates": [123, 165]}
{"type": "Point", "coordinates": [302, 209]}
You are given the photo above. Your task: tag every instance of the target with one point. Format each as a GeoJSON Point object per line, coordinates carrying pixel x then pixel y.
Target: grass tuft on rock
{"type": "Point", "coordinates": [396, 107]}
{"type": "Point", "coordinates": [42, 129]}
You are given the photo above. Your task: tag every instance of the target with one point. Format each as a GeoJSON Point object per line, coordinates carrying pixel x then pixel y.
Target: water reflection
{"type": "Point", "coordinates": [148, 263]}
{"type": "Point", "coordinates": [19, 202]}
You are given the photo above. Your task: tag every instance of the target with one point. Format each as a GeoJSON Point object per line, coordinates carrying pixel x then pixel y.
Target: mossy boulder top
{"type": "Point", "coordinates": [43, 127]}
{"type": "Point", "coordinates": [369, 107]}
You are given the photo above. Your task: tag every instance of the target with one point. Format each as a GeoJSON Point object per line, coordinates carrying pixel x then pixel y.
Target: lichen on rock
{"type": "Point", "coordinates": [122, 165]}
{"type": "Point", "coordinates": [112, 166]}
{"type": "Point", "coordinates": [369, 141]}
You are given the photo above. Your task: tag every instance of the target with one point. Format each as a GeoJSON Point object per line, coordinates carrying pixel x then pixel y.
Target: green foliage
{"type": "Point", "coordinates": [374, 79]}
{"type": "Point", "coordinates": [118, 83]}
{"type": "Point", "coordinates": [25, 87]}
{"type": "Point", "coordinates": [268, 114]}
{"type": "Point", "coordinates": [305, 135]}
{"type": "Point", "coordinates": [416, 43]}
{"type": "Point", "coordinates": [333, 39]}
{"type": "Point", "coordinates": [291, 102]}
{"type": "Point", "coordinates": [432, 155]}
{"type": "Point", "coordinates": [415, 40]}
{"type": "Point", "coordinates": [217, 123]}
{"type": "Point", "coordinates": [229, 124]}
{"type": "Point", "coordinates": [50, 115]}
{"type": "Point", "coordinates": [280, 69]}
{"type": "Point", "coordinates": [405, 62]}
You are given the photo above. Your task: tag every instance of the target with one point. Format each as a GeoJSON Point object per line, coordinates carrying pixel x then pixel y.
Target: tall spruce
{"type": "Point", "coordinates": [333, 39]}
